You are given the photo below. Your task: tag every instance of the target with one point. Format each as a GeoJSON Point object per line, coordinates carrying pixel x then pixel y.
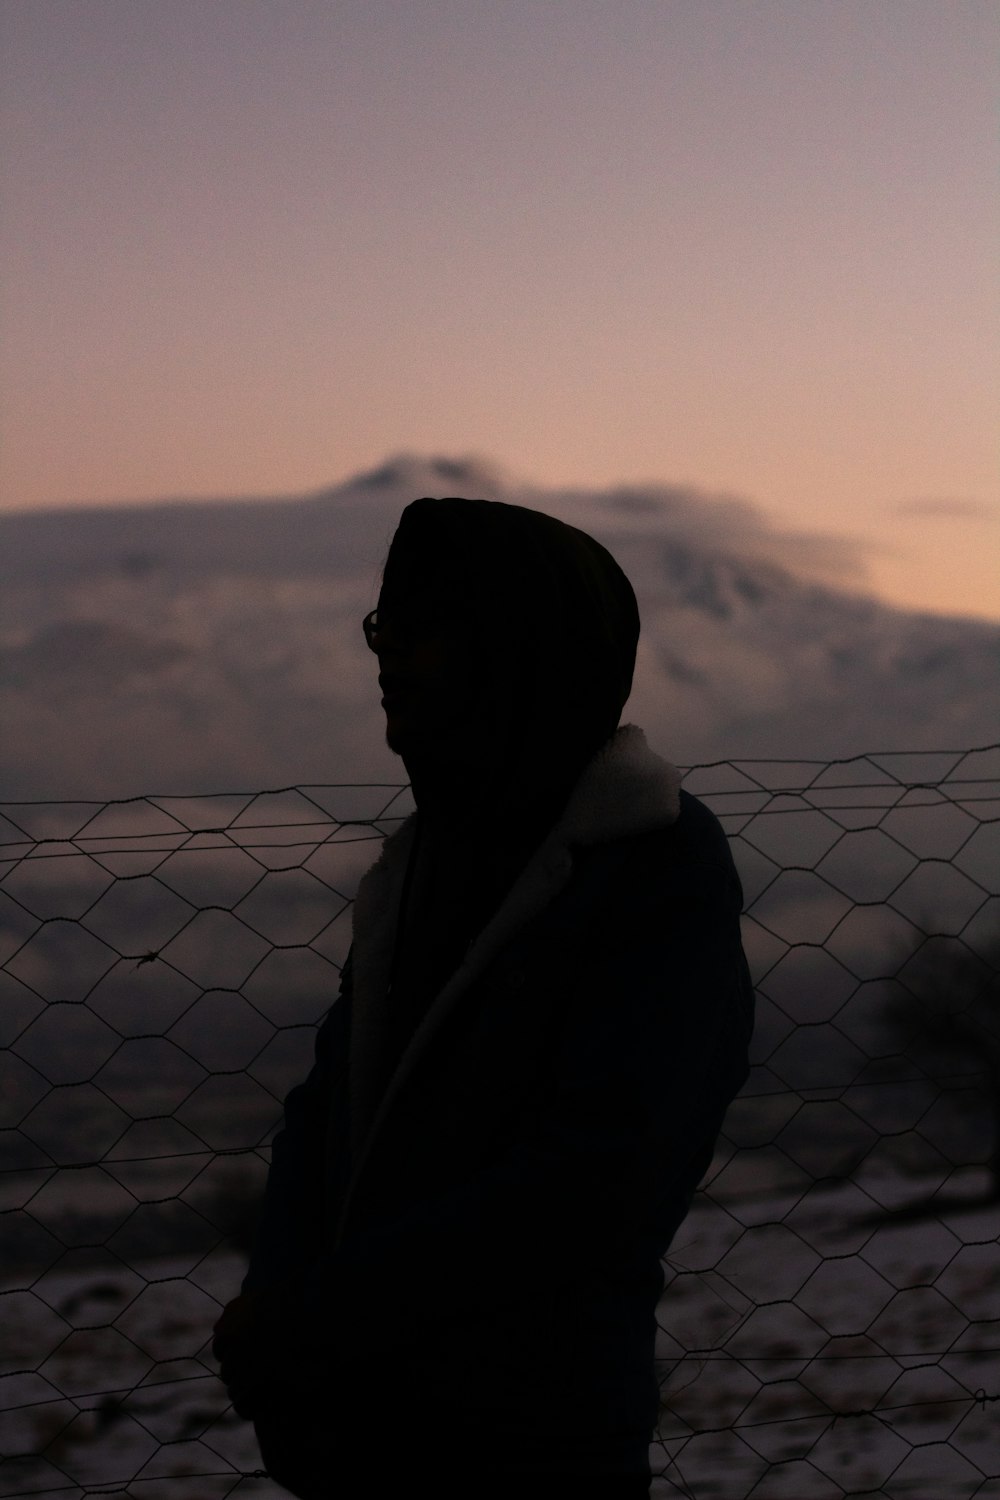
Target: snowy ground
{"type": "Point", "coordinates": [809, 1351]}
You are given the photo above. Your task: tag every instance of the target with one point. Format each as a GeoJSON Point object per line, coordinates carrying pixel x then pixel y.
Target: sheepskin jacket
{"type": "Point", "coordinates": [494, 1222]}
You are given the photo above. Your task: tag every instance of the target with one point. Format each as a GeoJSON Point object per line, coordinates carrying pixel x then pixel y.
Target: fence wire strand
{"type": "Point", "coordinates": [828, 1325]}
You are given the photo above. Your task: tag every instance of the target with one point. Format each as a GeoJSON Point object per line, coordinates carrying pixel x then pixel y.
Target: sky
{"type": "Point", "coordinates": [257, 246]}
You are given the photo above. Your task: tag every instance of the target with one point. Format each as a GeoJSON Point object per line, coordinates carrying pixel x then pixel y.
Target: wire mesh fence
{"type": "Point", "coordinates": [829, 1321]}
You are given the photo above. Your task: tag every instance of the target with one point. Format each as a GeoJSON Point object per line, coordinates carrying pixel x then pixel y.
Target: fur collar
{"type": "Point", "coordinates": [625, 789]}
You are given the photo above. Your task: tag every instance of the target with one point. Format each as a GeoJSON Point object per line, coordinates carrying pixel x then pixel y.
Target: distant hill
{"type": "Point", "coordinates": [216, 645]}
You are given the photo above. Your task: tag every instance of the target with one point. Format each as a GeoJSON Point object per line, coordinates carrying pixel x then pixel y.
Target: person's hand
{"type": "Point", "coordinates": [241, 1345]}
{"type": "Point", "coordinates": [235, 1325]}
{"type": "Point", "coordinates": [261, 1350]}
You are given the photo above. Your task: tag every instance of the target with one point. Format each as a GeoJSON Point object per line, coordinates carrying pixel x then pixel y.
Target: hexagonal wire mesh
{"type": "Point", "coordinates": [825, 1327]}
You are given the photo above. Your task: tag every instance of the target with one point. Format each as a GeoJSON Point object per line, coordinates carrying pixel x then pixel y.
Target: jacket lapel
{"type": "Point", "coordinates": [625, 789]}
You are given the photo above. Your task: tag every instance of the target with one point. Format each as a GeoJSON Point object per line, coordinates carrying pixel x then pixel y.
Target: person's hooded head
{"type": "Point", "coordinates": [506, 643]}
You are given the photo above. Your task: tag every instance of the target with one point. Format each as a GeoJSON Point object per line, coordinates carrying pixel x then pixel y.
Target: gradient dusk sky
{"type": "Point", "coordinates": [255, 246]}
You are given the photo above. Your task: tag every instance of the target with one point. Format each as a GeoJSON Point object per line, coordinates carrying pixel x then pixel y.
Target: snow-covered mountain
{"type": "Point", "coordinates": [216, 645]}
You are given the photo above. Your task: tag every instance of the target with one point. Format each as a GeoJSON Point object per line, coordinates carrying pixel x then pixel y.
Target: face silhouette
{"type": "Point", "coordinates": [432, 684]}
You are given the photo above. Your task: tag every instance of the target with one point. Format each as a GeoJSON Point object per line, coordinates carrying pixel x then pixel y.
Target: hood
{"type": "Point", "coordinates": [556, 626]}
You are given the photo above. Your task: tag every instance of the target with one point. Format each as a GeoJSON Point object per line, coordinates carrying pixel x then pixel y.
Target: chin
{"type": "Point", "coordinates": [428, 750]}
{"type": "Point", "coordinates": [402, 738]}
{"type": "Point", "coordinates": [396, 738]}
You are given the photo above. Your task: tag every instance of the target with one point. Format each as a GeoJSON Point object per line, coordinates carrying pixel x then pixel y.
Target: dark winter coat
{"type": "Point", "coordinates": [478, 1249]}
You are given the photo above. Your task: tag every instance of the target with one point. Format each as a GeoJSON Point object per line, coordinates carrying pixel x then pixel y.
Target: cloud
{"type": "Point", "coordinates": [933, 507]}
{"type": "Point", "coordinates": [722, 524]}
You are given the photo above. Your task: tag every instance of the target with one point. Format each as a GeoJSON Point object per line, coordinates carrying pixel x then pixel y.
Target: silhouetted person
{"type": "Point", "coordinates": [543, 1017]}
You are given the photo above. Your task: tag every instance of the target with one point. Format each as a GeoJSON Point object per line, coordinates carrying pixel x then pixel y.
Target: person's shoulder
{"type": "Point", "coordinates": [694, 835]}
{"type": "Point", "coordinates": [699, 831]}
{"type": "Point", "coordinates": [693, 846]}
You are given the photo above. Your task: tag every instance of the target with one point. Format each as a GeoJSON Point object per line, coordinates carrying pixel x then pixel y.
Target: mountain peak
{"type": "Point", "coordinates": [474, 477]}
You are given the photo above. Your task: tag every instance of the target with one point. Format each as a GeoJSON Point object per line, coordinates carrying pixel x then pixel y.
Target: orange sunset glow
{"type": "Point", "coordinates": [255, 247]}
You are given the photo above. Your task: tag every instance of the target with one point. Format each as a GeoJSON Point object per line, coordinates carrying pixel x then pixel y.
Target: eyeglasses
{"type": "Point", "coordinates": [370, 626]}
{"type": "Point", "coordinates": [413, 622]}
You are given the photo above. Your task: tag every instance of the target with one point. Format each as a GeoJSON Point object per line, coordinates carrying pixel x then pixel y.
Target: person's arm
{"type": "Point", "coordinates": [290, 1225]}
